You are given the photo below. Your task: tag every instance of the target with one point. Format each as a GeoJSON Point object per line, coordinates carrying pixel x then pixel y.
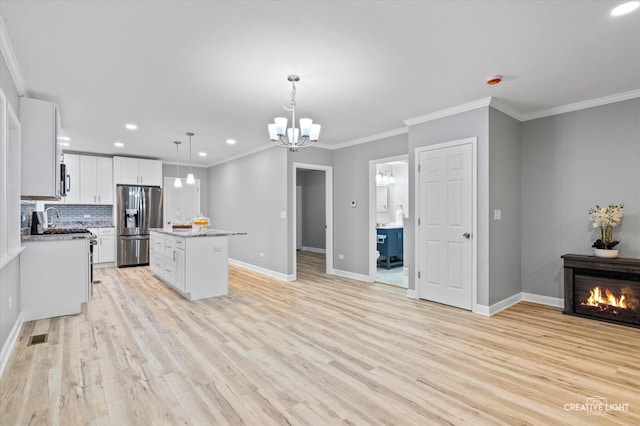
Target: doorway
{"type": "Point", "coordinates": [388, 209]}
{"type": "Point", "coordinates": [446, 248]}
{"type": "Point", "coordinates": [312, 230]}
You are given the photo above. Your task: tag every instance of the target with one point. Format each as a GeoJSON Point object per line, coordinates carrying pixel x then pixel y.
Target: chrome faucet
{"type": "Point", "coordinates": [55, 210]}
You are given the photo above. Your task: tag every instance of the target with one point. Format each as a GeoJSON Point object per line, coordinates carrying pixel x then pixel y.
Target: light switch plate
{"type": "Point", "coordinates": [497, 215]}
{"type": "Point", "coordinates": [283, 214]}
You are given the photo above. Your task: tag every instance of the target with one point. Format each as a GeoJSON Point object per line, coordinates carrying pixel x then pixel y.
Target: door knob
{"type": "Point", "coordinates": [466, 235]}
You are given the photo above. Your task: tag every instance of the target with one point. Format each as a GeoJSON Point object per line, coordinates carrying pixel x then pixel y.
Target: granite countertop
{"type": "Point", "coordinates": [56, 237]}
{"type": "Point", "coordinates": [206, 232]}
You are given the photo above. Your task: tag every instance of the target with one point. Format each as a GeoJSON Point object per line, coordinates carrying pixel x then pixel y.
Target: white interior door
{"type": "Point", "coordinates": [446, 221]}
{"type": "Point", "coordinates": [183, 201]}
{"type": "Point", "coordinates": [298, 217]}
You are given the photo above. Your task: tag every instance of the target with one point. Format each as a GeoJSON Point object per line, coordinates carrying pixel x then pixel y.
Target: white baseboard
{"type": "Point", "coordinates": [261, 270]}
{"type": "Point", "coordinates": [10, 343]}
{"type": "Point", "coordinates": [352, 275]}
{"type": "Point", "coordinates": [488, 311]}
{"type": "Point", "coordinates": [314, 249]}
{"type": "Point", "coordinates": [411, 294]}
{"type": "Point", "coordinates": [543, 300]}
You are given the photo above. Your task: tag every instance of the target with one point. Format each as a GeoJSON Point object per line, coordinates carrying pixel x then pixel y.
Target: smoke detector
{"type": "Point", "coordinates": [494, 79]}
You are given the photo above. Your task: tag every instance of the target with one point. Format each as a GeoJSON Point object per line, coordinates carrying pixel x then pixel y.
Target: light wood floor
{"type": "Point", "coordinates": [322, 350]}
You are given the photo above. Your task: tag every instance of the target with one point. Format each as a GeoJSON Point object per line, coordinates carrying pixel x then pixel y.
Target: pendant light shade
{"type": "Point", "coordinates": [190, 179]}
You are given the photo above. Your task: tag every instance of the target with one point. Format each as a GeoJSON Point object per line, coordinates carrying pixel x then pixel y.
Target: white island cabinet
{"type": "Point", "coordinates": [195, 265]}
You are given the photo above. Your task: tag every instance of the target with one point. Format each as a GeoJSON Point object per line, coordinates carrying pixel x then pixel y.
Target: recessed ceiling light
{"type": "Point", "coordinates": [131, 126]}
{"type": "Point", "coordinates": [118, 144]}
{"type": "Point", "coordinates": [64, 138]}
{"type": "Point", "coordinates": [231, 141]}
{"type": "Point", "coordinates": [625, 8]}
{"type": "Point", "coordinates": [202, 154]}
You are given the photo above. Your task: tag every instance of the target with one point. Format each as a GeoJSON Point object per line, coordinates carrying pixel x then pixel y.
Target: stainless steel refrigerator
{"type": "Point", "coordinates": [139, 208]}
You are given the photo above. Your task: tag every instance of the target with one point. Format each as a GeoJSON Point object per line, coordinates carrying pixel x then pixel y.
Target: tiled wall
{"type": "Point", "coordinates": [72, 214]}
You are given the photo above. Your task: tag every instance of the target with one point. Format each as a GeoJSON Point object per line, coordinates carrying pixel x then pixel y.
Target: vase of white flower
{"type": "Point", "coordinates": [606, 218]}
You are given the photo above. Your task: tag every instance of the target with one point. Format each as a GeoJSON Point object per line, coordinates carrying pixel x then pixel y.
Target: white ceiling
{"type": "Point", "coordinates": [219, 68]}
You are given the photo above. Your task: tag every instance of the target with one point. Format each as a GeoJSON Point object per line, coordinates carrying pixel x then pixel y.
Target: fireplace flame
{"type": "Point", "coordinates": [596, 298]}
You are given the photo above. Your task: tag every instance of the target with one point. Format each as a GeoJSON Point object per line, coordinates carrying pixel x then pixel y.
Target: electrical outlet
{"type": "Point", "coordinates": [283, 214]}
{"type": "Point", "coordinates": [497, 214]}
{"type": "Point", "coordinates": [341, 256]}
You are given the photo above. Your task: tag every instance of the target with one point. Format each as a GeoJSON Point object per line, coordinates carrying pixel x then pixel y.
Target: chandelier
{"type": "Point", "coordinates": [293, 137]}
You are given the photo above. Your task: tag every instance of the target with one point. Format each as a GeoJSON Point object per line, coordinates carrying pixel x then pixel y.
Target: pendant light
{"type": "Point", "coordinates": [178, 182]}
{"type": "Point", "coordinates": [190, 179]}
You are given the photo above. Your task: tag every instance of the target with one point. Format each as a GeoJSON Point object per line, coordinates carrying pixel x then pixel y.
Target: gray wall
{"type": "Point", "coordinates": [460, 126]}
{"type": "Point", "coordinates": [351, 182]}
{"type": "Point", "coordinates": [313, 208]}
{"type": "Point", "coordinates": [247, 195]}
{"type": "Point", "coordinates": [10, 274]}
{"type": "Point", "coordinates": [504, 195]}
{"type": "Point", "coordinates": [202, 173]}
{"type": "Point", "coordinates": [571, 162]}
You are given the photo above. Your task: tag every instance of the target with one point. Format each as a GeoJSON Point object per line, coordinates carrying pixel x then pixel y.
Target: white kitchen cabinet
{"type": "Point", "coordinates": [105, 249]}
{"type": "Point", "coordinates": [96, 180]}
{"type": "Point", "coordinates": [54, 277]}
{"type": "Point", "coordinates": [137, 171]}
{"type": "Point", "coordinates": [107, 245]}
{"type": "Point", "coordinates": [41, 150]}
{"type": "Point", "coordinates": [196, 266]}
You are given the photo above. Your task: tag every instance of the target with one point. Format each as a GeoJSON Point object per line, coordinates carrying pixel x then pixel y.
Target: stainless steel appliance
{"type": "Point", "coordinates": [139, 208]}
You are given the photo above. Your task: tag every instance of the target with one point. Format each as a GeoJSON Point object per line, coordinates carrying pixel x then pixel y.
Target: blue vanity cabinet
{"type": "Point", "coordinates": [390, 246]}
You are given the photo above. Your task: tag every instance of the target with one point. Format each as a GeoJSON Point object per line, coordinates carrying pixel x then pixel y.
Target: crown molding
{"type": "Point", "coordinates": [242, 154]}
{"type": "Point", "coordinates": [506, 109]}
{"type": "Point", "coordinates": [619, 97]}
{"type": "Point", "coordinates": [376, 137]}
{"type": "Point", "coordinates": [10, 58]}
{"type": "Point", "coordinates": [448, 111]}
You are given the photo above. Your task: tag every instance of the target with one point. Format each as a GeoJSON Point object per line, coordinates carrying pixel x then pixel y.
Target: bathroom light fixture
{"type": "Point", "coordinates": [131, 126]}
{"type": "Point", "coordinates": [190, 179]}
{"type": "Point", "coordinates": [202, 154]}
{"type": "Point", "coordinates": [231, 141]}
{"type": "Point", "coordinates": [118, 144]}
{"type": "Point", "coordinates": [178, 182]}
{"type": "Point", "coordinates": [293, 138]}
{"type": "Point", "coordinates": [625, 8]}
{"type": "Point", "coordinates": [64, 138]}
{"type": "Point", "coordinates": [384, 178]}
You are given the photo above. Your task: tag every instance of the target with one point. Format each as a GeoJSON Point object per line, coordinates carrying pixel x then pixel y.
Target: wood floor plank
{"type": "Point", "coordinates": [320, 350]}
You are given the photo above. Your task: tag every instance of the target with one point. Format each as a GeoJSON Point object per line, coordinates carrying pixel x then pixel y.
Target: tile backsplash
{"type": "Point", "coordinates": [71, 214]}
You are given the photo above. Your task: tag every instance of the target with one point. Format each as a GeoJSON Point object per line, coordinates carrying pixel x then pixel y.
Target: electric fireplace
{"type": "Point", "coordinates": [602, 289]}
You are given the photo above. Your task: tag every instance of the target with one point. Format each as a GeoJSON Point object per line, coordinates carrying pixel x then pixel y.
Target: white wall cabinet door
{"type": "Point", "coordinates": [88, 176]}
{"type": "Point", "coordinates": [126, 170]}
{"type": "Point", "coordinates": [104, 181]}
{"type": "Point", "coordinates": [151, 172]}
{"type": "Point", "coordinates": [96, 175]}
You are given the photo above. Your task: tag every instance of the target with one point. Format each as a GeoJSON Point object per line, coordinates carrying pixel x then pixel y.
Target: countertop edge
{"type": "Point", "coordinates": [202, 233]}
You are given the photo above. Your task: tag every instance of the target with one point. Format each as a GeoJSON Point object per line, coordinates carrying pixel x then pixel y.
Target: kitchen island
{"type": "Point", "coordinates": [195, 264]}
